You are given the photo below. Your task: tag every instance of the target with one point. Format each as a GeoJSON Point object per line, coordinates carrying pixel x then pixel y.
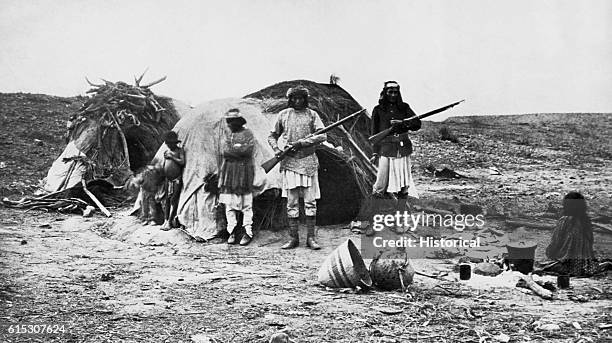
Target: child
{"type": "Point", "coordinates": [174, 161]}
{"type": "Point", "coordinates": [236, 176]}
{"type": "Point", "coordinates": [572, 240]}
{"type": "Point", "coordinates": [149, 181]}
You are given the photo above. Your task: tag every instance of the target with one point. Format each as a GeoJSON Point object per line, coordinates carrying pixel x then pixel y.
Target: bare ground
{"type": "Point", "coordinates": [87, 274]}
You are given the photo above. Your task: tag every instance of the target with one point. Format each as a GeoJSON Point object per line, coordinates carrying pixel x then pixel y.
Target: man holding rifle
{"type": "Point", "coordinates": [299, 169]}
{"type": "Point", "coordinates": [393, 151]}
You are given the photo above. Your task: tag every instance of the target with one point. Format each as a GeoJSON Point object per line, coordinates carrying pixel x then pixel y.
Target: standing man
{"type": "Point", "coordinates": [393, 152]}
{"type": "Point", "coordinates": [299, 170]}
{"type": "Point", "coordinates": [236, 176]}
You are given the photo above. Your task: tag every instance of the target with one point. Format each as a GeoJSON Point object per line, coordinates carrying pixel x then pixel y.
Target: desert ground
{"type": "Point", "coordinates": [112, 279]}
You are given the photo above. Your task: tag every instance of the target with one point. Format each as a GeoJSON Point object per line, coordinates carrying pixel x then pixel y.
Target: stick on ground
{"type": "Point", "coordinates": [95, 200]}
{"type": "Point", "coordinates": [537, 289]}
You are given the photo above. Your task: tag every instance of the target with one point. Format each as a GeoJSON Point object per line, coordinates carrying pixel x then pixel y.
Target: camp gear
{"type": "Point", "coordinates": [391, 273]}
{"type": "Point", "coordinates": [465, 271]}
{"type": "Point", "coordinates": [563, 281]}
{"type": "Point", "coordinates": [521, 255]}
{"type": "Point", "coordinates": [344, 267]}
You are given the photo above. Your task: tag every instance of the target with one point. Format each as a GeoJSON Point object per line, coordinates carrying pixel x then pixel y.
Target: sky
{"type": "Point", "coordinates": [503, 57]}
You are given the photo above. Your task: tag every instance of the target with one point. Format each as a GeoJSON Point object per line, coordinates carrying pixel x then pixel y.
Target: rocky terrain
{"type": "Point", "coordinates": [32, 137]}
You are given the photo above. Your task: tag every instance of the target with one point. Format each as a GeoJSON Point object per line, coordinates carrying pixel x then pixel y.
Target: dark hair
{"type": "Point", "coordinates": [292, 96]}
{"type": "Point", "coordinates": [171, 137]}
{"type": "Point", "coordinates": [383, 101]}
{"type": "Point", "coordinates": [574, 204]}
{"type": "Point", "coordinates": [239, 119]}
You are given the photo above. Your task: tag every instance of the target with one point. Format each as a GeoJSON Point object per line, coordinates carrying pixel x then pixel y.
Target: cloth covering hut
{"type": "Point", "coordinates": [343, 176]}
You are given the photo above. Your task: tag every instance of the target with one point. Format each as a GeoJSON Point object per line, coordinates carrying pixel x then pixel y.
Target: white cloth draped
{"type": "Point", "coordinates": [395, 175]}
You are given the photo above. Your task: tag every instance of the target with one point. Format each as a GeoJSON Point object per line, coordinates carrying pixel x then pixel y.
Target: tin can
{"type": "Point", "coordinates": [465, 271]}
{"type": "Point", "coordinates": [563, 281]}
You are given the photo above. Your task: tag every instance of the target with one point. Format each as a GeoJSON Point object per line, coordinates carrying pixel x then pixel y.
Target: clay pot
{"type": "Point", "coordinates": [388, 274]}
{"type": "Point", "coordinates": [171, 169]}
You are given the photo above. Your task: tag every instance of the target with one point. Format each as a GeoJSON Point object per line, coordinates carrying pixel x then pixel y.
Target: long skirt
{"type": "Point", "coordinates": [395, 175]}
{"type": "Point", "coordinates": [572, 244]}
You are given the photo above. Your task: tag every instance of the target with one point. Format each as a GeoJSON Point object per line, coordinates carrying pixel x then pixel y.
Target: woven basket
{"type": "Point", "coordinates": [344, 268]}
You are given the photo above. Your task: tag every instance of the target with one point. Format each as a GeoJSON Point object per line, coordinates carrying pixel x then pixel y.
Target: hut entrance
{"type": "Point", "coordinates": [139, 158]}
{"type": "Point", "coordinates": [340, 194]}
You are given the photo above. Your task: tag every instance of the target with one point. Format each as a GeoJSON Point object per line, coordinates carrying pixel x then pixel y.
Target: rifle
{"type": "Point", "coordinates": [269, 164]}
{"type": "Point", "coordinates": [375, 139]}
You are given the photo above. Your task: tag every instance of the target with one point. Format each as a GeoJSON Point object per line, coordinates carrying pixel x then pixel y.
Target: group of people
{"type": "Point", "coordinates": [299, 168]}
{"type": "Point", "coordinates": [297, 126]}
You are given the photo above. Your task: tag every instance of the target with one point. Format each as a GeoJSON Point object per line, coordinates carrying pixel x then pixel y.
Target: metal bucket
{"type": "Point", "coordinates": [344, 268]}
{"type": "Point", "coordinates": [521, 256]}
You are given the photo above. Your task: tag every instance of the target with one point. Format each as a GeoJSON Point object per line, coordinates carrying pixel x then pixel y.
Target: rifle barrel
{"type": "Point", "coordinates": [338, 123]}
{"type": "Point", "coordinates": [375, 139]}
{"type": "Point", "coordinates": [269, 164]}
{"type": "Point", "coordinates": [441, 109]}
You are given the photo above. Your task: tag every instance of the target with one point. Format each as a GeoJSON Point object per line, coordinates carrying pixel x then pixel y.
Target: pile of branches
{"type": "Point", "coordinates": [74, 199]}
{"type": "Point", "coordinates": [131, 121]}
{"type": "Point", "coordinates": [126, 101]}
{"type": "Point", "coordinates": [66, 205]}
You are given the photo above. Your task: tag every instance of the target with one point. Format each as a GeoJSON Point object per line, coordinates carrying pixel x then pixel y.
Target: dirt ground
{"type": "Point", "coordinates": [114, 280]}
{"type": "Point", "coordinates": [111, 279]}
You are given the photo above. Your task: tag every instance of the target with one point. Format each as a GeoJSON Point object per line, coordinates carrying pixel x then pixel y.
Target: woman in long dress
{"type": "Point", "coordinates": [572, 240]}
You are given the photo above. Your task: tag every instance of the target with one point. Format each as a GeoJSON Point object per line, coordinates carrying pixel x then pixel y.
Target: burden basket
{"type": "Point", "coordinates": [344, 268]}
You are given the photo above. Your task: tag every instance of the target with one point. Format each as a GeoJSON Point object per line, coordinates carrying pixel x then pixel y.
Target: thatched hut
{"type": "Point", "coordinates": [116, 132]}
{"type": "Point", "coordinates": [344, 175]}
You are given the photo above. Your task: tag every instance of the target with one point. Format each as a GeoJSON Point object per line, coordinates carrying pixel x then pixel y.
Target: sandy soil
{"type": "Point", "coordinates": [111, 279]}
